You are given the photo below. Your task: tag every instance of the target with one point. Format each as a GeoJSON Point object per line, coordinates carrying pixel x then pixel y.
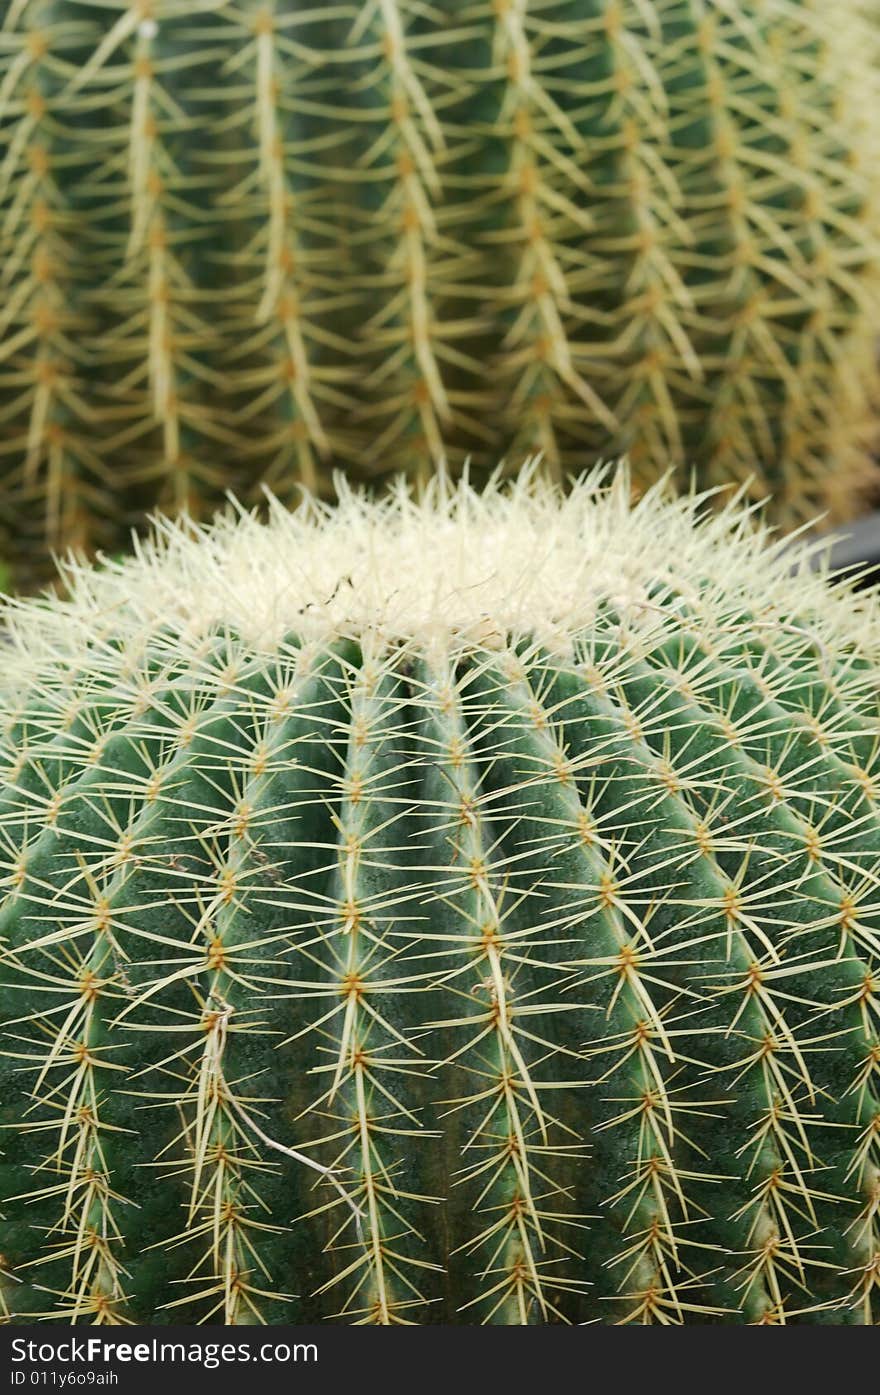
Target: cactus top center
{"type": "Point", "coordinates": [453, 568]}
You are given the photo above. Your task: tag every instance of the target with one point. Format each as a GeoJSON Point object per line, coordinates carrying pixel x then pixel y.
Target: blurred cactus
{"type": "Point", "coordinates": [244, 243]}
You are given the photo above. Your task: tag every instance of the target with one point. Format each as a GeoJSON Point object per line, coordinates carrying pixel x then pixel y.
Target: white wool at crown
{"type": "Point", "coordinates": [453, 567]}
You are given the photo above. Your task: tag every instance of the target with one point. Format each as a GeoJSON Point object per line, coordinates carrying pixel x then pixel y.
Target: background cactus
{"type": "Point", "coordinates": [241, 242]}
{"type": "Point", "coordinates": [512, 859]}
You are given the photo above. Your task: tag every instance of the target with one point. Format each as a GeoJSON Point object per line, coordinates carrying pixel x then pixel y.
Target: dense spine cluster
{"type": "Point", "coordinates": [462, 910]}
{"type": "Point", "coordinates": [245, 242]}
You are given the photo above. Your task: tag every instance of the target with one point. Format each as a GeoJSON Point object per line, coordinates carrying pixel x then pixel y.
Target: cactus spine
{"type": "Point", "coordinates": [457, 910]}
{"type": "Point", "coordinates": [243, 242]}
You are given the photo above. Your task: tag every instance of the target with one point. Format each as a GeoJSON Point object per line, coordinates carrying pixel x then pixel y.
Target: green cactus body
{"type": "Point", "coordinates": [52, 473]}
{"type": "Point", "coordinates": [447, 911]}
{"type": "Point", "coordinates": [245, 243]}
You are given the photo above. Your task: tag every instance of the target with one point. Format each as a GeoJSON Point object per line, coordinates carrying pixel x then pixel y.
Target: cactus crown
{"type": "Point", "coordinates": [514, 558]}
{"type": "Point", "coordinates": [461, 909]}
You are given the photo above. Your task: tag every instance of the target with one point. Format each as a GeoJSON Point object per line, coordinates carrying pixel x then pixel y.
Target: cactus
{"type": "Point", "coordinates": [242, 242]}
{"type": "Point", "coordinates": [458, 908]}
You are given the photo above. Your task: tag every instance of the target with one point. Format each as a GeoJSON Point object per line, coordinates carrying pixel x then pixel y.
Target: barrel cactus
{"type": "Point", "coordinates": [244, 241]}
{"type": "Point", "coordinates": [445, 909]}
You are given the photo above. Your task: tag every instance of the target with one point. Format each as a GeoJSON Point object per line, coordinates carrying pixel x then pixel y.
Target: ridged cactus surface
{"type": "Point", "coordinates": [455, 911]}
{"type": "Point", "coordinates": [240, 243]}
